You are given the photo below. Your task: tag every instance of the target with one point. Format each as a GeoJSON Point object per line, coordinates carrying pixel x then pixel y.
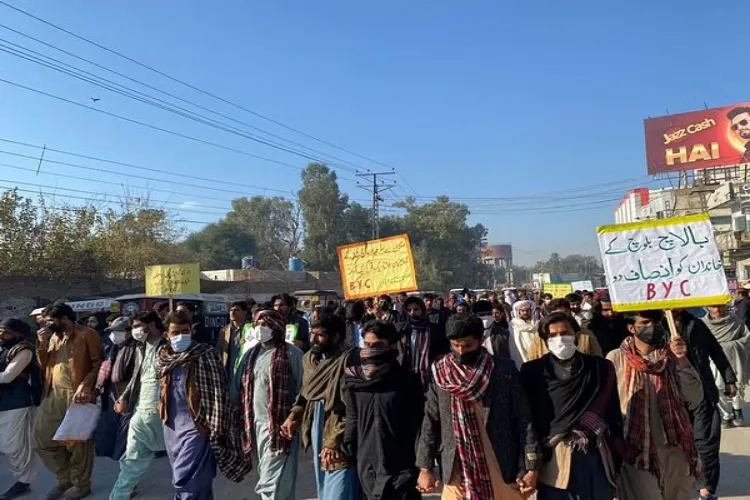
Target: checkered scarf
{"type": "Point", "coordinates": [280, 400]}
{"type": "Point", "coordinates": [467, 386]}
{"type": "Point", "coordinates": [209, 378]}
{"type": "Point", "coordinates": [642, 378]}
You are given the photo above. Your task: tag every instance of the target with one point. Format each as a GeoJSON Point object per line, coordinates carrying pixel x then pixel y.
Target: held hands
{"type": "Point", "coordinates": [730, 390]}
{"type": "Point", "coordinates": [289, 428]}
{"type": "Point", "coordinates": [526, 484]}
{"type": "Point", "coordinates": [121, 407]}
{"type": "Point", "coordinates": [328, 457]}
{"type": "Point", "coordinates": [427, 482]}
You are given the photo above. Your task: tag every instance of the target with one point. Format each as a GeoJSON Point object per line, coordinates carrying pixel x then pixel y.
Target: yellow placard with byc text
{"type": "Point", "coordinates": [377, 267]}
{"type": "Point", "coordinates": [173, 279]}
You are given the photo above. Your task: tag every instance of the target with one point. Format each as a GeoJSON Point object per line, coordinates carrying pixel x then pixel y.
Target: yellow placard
{"type": "Point", "coordinates": [173, 279]}
{"type": "Point", "coordinates": [377, 267]}
{"type": "Point", "coordinates": [558, 290]}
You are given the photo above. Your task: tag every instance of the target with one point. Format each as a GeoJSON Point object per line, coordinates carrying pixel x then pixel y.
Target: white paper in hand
{"type": "Point", "coordinates": [79, 423]}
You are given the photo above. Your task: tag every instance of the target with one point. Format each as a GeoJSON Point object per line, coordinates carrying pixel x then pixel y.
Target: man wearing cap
{"type": "Point", "coordinates": [17, 403]}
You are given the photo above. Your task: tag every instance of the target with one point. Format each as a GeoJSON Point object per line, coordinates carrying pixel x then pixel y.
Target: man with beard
{"type": "Point", "coordinates": [421, 340]}
{"type": "Point", "coordinates": [576, 412]}
{"type": "Point", "coordinates": [477, 422]}
{"type": "Point", "coordinates": [703, 348]}
{"type": "Point", "coordinates": [268, 380]}
{"type": "Point", "coordinates": [607, 326]}
{"type": "Point", "coordinates": [384, 408]}
{"type": "Point", "coordinates": [297, 327]}
{"type": "Point", "coordinates": [70, 355]}
{"type": "Point", "coordinates": [496, 333]}
{"type": "Point", "coordinates": [656, 382]}
{"type": "Point", "coordinates": [742, 306]}
{"type": "Point", "coordinates": [522, 330]}
{"type": "Point", "coordinates": [355, 323]}
{"type": "Point", "coordinates": [432, 313]}
{"type": "Point", "coordinates": [734, 338]}
{"type": "Point", "coordinates": [20, 391]}
{"type": "Point", "coordinates": [195, 409]}
{"type": "Point", "coordinates": [574, 301]}
{"type": "Point", "coordinates": [320, 413]}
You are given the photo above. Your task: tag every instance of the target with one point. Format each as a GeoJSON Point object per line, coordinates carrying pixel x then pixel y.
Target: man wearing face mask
{"type": "Point", "coordinates": [70, 355]}
{"type": "Point", "coordinates": [655, 382]}
{"type": "Point", "coordinates": [585, 341]}
{"type": "Point", "coordinates": [140, 400]}
{"type": "Point", "coordinates": [267, 383]}
{"type": "Point", "coordinates": [477, 414]}
{"type": "Point", "coordinates": [421, 340]}
{"type": "Point", "coordinates": [196, 413]}
{"type": "Point", "coordinates": [111, 433]}
{"type": "Point", "coordinates": [320, 412]}
{"type": "Point", "coordinates": [576, 412]}
{"type": "Point", "coordinates": [377, 386]}
{"type": "Point", "coordinates": [20, 390]}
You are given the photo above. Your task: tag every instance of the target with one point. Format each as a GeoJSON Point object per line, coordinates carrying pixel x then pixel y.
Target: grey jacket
{"type": "Point", "coordinates": [131, 392]}
{"type": "Point", "coordinates": [507, 421]}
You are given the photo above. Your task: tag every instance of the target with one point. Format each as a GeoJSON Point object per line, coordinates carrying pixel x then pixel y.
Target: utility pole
{"type": "Point", "coordinates": [376, 187]}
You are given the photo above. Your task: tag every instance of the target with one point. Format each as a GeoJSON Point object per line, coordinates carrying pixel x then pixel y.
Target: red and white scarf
{"type": "Point", "coordinates": [467, 385]}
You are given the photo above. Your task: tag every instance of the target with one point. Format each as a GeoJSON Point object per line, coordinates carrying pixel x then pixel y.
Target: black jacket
{"type": "Point", "coordinates": [742, 310]}
{"type": "Point", "coordinates": [507, 421]}
{"type": "Point", "coordinates": [303, 328]}
{"type": "Point", "coordinates": [609, 334]}
{"type": "Point", "coordinates": [702, 349]}
{"type": "Point", "coordinates": [439, 343]}
{"type": "Point", "coordinates": [382, 424]}
{"type": "Point", "coordinates": [500, 340]}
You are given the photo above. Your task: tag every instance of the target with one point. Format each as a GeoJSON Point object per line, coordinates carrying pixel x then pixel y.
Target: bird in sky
{"type": "Point", "coordinates": [95, 99]}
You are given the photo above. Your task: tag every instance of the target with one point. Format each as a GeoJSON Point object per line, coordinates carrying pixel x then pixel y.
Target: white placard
{"type": "Point", "coordinates": [663, 264]}
{"type": "Point", "coordinates": [582, 285]}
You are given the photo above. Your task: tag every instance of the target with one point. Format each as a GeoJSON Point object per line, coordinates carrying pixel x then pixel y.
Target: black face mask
{"type": "Point", "coordinates": [468, 358]}
{"type": "Point", "coordinates": [385, 306]}
{"type": "Point", "coordinates": [653, 335]}
{"type": "Point", "coordinates": [55, 327]}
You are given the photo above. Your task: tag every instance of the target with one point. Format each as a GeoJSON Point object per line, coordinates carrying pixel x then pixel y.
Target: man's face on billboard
{"type": "Point", "coordinates": [741, 125]}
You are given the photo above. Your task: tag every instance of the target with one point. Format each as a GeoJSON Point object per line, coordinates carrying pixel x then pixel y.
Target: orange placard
{"type": "Point", "coordinates": [377, 267]}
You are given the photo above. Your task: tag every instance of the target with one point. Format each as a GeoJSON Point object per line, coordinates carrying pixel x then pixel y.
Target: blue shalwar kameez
{"type": "Point", "coordinates": [193, 463]}
{"type": "Point", "coordinates": [334, 485]}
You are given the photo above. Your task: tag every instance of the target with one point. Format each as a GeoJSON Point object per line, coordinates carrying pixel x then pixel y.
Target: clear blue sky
{"type": "Point", "coordinates": [481, 99]}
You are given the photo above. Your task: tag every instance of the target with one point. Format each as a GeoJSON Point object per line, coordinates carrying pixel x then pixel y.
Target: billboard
{"type": "Point", "coordinates": [715, 137]}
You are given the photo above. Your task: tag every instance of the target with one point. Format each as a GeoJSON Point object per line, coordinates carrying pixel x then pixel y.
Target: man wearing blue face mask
{"type": "Point", "coordinates": [196, 413]}
{"type": "Point", "coordinates": [264, 388]}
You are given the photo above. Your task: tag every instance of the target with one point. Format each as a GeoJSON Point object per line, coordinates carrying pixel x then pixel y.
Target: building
{"type": "Point", "coordinates": [643, 204]}
{"type": "Point", "coordinates": [500, 259]}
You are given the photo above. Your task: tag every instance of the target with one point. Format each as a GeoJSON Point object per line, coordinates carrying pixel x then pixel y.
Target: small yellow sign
{"type": "Point", "coordinates": [173, 279]}
{"type": "Point", "coordinates": [558, 290]}
{"type": "Point", "coordinates": [377, 267]}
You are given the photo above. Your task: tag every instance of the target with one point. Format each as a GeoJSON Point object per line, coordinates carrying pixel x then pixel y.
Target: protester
{"type": "Point", "coordinates": [523, 328]}
{"type": "Point", "coordinates": [21, 386]}
{"type": "Point", "coordinates": [140, 400]}
{"type": "Point", "coordinates": [116, 371]}
{"type": "Point", "coordinates": [432, 313]}
{"type": "Point", "coordinates": [268, 380]}
{"type": "Point", "coordinates": [399, 306]}
{"type": "Point", "coordinates": [585, 341]}
{"type": "Point", "coordinates": [195, 409]}
{"type": "Point", "coordinates": [98, 322]}
{"type": "Point", "coordinates": [587, 303]}
{"type": "Point", "coordinates": [421, 340]}
{"type": "Point", "coordinates": [70, 355]}
{"type": "Point", "coordinates": [655, 381]}
{"type": "Point", "coordinates": [576, 413]}
{"type": "Point", "coordinates": [734, 338]}
{"type": "Point", "coordinates": [162, 310]}
{"type": "Point", "coordinates": [384, 408]}
{"type": "Point", "coordinates": [444, 311]}
{"type": "Point", "coordinates": [231, 344]}
{"type": "Point", "coordinates": [462, 307]}
{"type": "Point", "coordinates": [200, 334]}
{"type": "Point", "coordinates": [574, 301]}
{"type": "Point", "coordinates": [703, 348]}
{"type": "Point", "coordinates": [608, 326]}
{"type": "Point", "coordinates": [476, 422]}
{"type": "Point", "coordinates": [355, 323]}
{"type": "Point", "coordinates": [497, 334]}
{"type": "Point", "coordinates": [297, 327]}
{"type": "Point", "coordinates": [383, 310]}
{"type": "Point", "coordinates": [320, 413]}
{"type": "Point", "coordinates": [742, 306]}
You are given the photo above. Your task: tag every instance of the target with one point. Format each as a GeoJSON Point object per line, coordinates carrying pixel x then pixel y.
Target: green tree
{"type": "Point", "coordinates": [273, 223]}
{"type": "Point", "coordinates": [323, 209]}
{"type": "Point", "coordinates": [356, 224]}
{"type": "Point", "coordinates": [221, 245]}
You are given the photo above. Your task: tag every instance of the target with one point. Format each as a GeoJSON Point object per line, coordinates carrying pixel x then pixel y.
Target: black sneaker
{"type": "Point", "coordinates": [727, 424]}
{"type": "Point", "coordinates": [17, 490]}
{"type": "Point", "coordinates": [738, 420]}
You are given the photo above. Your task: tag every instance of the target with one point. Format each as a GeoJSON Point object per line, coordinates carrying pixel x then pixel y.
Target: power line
{"type": "Point", "coordinates": [150, 100]}
{"type": "Point", "coordinates": [153, 127]}
{"type": "Point", "coordinates": [177, 80]}
{"type": "Point", "coordinates": [377, 188]}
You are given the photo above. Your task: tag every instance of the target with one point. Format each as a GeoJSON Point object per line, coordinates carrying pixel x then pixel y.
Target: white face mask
{"type": "Point", "coordinates": [563, 347]}
{"type": "Point", "coordinates": [487, 323]}
{"type": "Point", "coordinates": [263, 334]}
{"type": "Point", "coordinates": [118, 337]}
{"type": "Point", "coordinates": [139, 334]}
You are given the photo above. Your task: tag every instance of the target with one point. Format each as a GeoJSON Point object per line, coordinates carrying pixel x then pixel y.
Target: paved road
{"type": "Point", "coordinates": [735, 476]}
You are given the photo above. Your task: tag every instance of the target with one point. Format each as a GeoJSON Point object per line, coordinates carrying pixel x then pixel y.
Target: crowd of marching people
{"type": "Point", "coordinates": [480, 398]}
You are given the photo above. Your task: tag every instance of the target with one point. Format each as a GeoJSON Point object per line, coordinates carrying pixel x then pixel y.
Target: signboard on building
{"type": "Point", "coordinates": [663, 264]}
{"type": "Point", "coordinates": [707, 138]}
{"type": "Point", "coordinates": [723, 194]}
{"type": "Point", "coordinates": [376, 267]}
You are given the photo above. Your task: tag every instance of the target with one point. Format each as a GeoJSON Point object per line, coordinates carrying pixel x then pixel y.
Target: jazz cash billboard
{"type": "Point", "coordinates": [663, 264]}
{"type": "Point", "coordinates": [716, 137]}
